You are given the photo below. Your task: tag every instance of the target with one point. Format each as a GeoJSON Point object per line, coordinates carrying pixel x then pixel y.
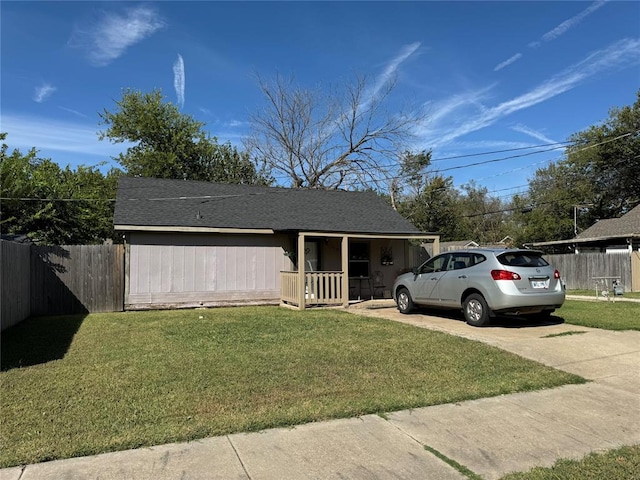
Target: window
{"type": "Point", "coordinates": [359, 259]}
{"type": "Point", "coordinates": [522, 259]}
{"type": "Point", "coordinates": [436, 264]}
{"type": "Point", "coordinates": [459, 261]}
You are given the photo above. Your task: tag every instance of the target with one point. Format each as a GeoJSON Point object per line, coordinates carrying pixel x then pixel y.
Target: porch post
{"type": "Point", "coordinates": [436, 245]}
{"type": "Point", "coordinates": [345, 271]}
{"type": "Point", "coordinates": [301, 263]}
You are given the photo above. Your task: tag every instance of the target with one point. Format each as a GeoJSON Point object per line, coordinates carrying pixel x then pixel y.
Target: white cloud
{"type": "Point", "coordinates": [389, 71]}
{"type": "Point", "coordinates": [567, 24]}
{"type": "Point", "coordinates": [75, 112]}
{"type": "Point", "coordinates": [43, 92]}
{"type": "Point", "coordinates": [395, 62]}
{"type": "Point", "coordinates": [26, 132]}
{"type": "Point", "coordinates": [532, 133]}
{"type": "Point", "coordinates": [179, 79]}
{"type": "Point", "coordinates": [441, 110]}
{"type": "Point", "coordinates": [622, 54]}
{"type": "Point", "coordinates": [485, 145]}
{"type": "Point", "coordinates": [109, 37]}
{"type": "Point", "coordinates": [507, 62]}
{"type": "Point", "coordinates": [237, 124]}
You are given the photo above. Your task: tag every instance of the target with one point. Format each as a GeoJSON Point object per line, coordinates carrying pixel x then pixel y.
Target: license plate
{"type": "Point", "coordinates": [539, 283]}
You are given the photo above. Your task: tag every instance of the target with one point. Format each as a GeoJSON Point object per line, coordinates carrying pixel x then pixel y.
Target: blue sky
{"type": "Point", "coordinates": [490, 75]}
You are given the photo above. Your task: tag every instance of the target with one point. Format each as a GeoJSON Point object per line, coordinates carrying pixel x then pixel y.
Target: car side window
{"type": "Point", "coordinates": [477, 258]}
{"type": "Point", "coordinates": [459, 261]}
{"type": "Point", "coordinates": [436, 264]}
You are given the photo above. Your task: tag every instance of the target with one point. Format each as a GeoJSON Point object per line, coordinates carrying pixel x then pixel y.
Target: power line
{"type": "Point", "coordinates": [533, 153]}
{"type": "Point", "coordinates": [397, 177]}
{"type": "Point", "coordinates": [580, 149]}
{"type": "Point", "coordinates": [502, 151]}
{"type": "Point", "coordinates": [34, 199]}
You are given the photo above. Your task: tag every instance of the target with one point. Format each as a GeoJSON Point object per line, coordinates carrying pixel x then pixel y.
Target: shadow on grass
{"type": "Point", "coordinates": [502, 321]}
{"type": "Point", "coordinates": [38, 340]}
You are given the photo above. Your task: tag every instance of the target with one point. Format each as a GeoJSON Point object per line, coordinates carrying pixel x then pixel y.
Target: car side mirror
{"type": "Point", "coordinates": [416, 271]}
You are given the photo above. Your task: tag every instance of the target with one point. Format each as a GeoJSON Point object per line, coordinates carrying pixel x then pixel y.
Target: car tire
{"type": "Point", "coordinates": [476, 311]}
{"type": "Point", "coordinates": [405, 304]}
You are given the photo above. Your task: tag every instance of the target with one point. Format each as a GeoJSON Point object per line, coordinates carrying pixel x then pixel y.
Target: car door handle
{"type": "Point", "coordinates": [434, 278]}
{"type": "Point", "coordinates": [462, 276]}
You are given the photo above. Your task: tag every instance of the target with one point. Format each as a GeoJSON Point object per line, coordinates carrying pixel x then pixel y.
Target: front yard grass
{"type": "Point", "coordinates": [606, 315]}
{"type": "Point", "coordinates": [592, 294]}
{"type": "Point", "coordinates": [619, 464]}
{"type": "Point", "coordinates": [76, 386]}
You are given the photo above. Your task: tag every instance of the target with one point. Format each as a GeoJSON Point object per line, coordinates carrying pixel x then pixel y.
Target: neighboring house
{"type": "Point", "coordinates": [613, 235]}
{"type": "Point", "coordinates": [600, 241]}
{"type": "Point", "coordinates": [506, 242]}
{"type": "Point", "coordinates": [459, 245]}
{"type": "Point", "coordinates": [194, 243]}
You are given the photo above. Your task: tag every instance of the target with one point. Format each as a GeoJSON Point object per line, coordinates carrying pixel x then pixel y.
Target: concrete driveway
{"type": "Point", "coordinates": [605, 356]}
{"type": "Point", "coordinates": [491, 436]}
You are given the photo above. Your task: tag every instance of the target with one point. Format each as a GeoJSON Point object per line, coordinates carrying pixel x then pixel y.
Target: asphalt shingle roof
{"type": "Point", "coordinates": [182, 203]}
{"type": "Point", "coordinates": [628, 224]}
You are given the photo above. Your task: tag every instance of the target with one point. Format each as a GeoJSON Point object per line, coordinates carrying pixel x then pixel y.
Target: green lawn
{"type": "Point", "coordinates": [619, 464]}
{"type": "Point", "coordinates": [592, 293]}
{"type": "Point", "coordinates": [607, 315]}
{"type": "Point", "coordinates": [82, 385]}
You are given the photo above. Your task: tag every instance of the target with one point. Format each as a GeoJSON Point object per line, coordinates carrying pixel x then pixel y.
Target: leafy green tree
{"type": "Point", "coordinates": [434, 208]}
{"type": "Point", "coordinates": [53, 206]}
{"type": "Point", "coordinates": [604, 161]}
{"type": "Point", "coordinates": [170, 144]}
{"type": "Point", "coordinates": [483, 217]}
{"type": "Point", "coordinates": [597, 179]}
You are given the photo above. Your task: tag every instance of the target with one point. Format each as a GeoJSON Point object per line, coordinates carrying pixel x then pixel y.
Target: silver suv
{"type": "Point", "coordinates": [483, 283]}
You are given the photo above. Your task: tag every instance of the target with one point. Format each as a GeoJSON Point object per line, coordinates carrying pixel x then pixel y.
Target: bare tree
{"type": "Point", "coordinates": [343, 138]}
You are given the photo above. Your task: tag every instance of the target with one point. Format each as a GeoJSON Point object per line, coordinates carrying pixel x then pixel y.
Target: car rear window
{"type": "Point", "coordinates": [522, 259]}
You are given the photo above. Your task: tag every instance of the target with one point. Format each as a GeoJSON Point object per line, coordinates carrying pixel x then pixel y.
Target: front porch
{"type": "Point", "coordinates": [364, 274]}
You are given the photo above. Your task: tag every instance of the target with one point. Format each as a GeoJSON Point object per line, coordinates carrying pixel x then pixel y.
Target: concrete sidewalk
{"type": "Point", "coordinates": [491, 436]}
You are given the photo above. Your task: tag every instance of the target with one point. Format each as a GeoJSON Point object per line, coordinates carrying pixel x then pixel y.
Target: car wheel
{"type": "Point", "coordinates": [476, 310]}
{"type": "Point", "coordinates": [405, 304]}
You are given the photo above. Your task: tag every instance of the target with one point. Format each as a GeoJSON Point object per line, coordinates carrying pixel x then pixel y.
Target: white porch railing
{"type": "Point", "coordinates": [321, 288]}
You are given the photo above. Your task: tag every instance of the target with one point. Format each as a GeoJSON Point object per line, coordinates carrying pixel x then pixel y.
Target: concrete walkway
{"type": "Point", "coordinates": [490, 437]}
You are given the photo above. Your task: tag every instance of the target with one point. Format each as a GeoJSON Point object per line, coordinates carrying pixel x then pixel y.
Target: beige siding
{"type": "Point", "coordinates": [193, 269]}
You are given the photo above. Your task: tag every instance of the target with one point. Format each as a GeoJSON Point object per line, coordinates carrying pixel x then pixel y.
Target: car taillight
{"type": "Point", "coordinates": [504, 275]}
{"type": "Point", "coordinates": [556, 275]}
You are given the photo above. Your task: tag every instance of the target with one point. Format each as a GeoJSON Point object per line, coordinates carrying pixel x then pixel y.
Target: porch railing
{"type": "Point", "coordinates": [321, 288]}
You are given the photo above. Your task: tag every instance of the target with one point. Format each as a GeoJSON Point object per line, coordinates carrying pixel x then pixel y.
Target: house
{"type": "Point", "coordinates": [458, 245]}
{"type": "Point", "coordinates": [601, 241]}
{"type": "Point", "coordinates": [192, 243]}
{"type": "Point", "coordinates": [452, 246]}
{"type": "Point", "coordinates": [612, 235]}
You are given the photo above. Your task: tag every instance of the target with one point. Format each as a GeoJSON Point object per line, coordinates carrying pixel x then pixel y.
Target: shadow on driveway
{"type": "Point", "coordinates": [501, 321]}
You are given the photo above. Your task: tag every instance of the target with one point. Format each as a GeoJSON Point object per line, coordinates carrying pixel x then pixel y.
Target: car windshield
{"type": "Point", "coordinates": [522, 259]}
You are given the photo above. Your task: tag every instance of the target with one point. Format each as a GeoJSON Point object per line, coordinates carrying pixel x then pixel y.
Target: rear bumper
{"type": "Point", "coordinates": [528, 303]}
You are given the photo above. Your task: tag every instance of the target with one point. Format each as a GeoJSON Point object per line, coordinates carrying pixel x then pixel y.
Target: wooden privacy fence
{"type": "Point", "coordinates": [60, 280]}
{"type": "Point", "coordinates": [16, 287]}
{"type": "Point", "coordinates": [578, 271]}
